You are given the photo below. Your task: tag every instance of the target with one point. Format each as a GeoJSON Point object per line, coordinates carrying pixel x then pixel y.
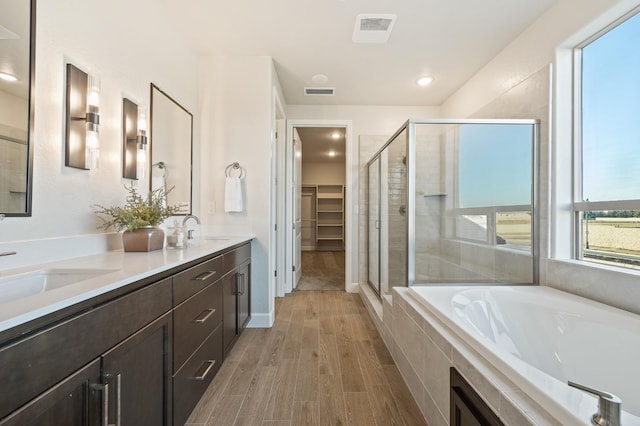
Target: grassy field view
{"type": "Point", "coordinates": [515, 228]}
{"type": "Point", "coordinates": [611, 238]}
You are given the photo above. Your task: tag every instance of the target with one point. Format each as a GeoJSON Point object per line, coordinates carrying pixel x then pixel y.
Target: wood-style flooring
{"type": "Point", "coordinates": [322, 363]}
{"type": "Point", "coordinates": [322, 270]}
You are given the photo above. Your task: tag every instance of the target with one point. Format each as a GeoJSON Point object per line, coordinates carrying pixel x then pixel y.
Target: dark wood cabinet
{"type": "Point", "coordinates": [138, 375]}
{"type": "Point", "coordinates": [144, 356]}
{"type": "Point", "coordinates": [230, 310]}
{"type": "Point", "coordinates": [236, 303]}
{"type": "Point", "coordinates": [128, 385]}
{"type": "Point", "coordinates": [193, 378]}
{"type": "Point", "coordinates": [244, 295]}
{"type": "Point", "coordinates": [197, 347]}
{"type": "Point", "coordinates": [467, 407]}
{"type": "Point", "coordinates": [74, 402]}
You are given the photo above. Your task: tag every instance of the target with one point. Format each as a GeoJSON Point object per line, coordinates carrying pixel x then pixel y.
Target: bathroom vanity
{"type": "Point", "coordinates": [141, 352]}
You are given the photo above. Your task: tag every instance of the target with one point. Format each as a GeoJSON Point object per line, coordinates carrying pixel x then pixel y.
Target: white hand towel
{"type": "Point", "coordinates": [233, 195]}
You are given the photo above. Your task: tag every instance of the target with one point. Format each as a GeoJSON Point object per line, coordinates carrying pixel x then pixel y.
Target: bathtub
{"type": "Point", "coordinates": [541, 337]}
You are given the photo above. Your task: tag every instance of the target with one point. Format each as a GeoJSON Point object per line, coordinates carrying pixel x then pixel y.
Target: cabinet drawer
{"type": "Point", "coordinates": [194, 320]}
{"type": "Point", "coordinates": [236, 257]}
{"type": "Point", "coordinates": [193, 280]}
{"type": "Point", "coordinates": [192, 380]}
{"type": "Point", "coordinates": [36, 363]}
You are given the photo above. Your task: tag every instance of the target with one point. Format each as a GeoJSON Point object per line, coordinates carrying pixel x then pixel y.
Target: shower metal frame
{"type": "Point", "coordinates": [410, 127]}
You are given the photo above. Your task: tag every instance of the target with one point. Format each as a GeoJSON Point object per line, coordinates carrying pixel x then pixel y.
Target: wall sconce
{"type": "Point", "coordinates": [82, 119]}
{"type": "Point", "coordinates": [142, 141]}
{"type": "Point", "coordinates": [134, 138]}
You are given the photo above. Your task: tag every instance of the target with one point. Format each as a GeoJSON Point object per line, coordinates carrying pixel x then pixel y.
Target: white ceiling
{"type": "Point", "coordinates": [449, 40]}
{"type": "Point", "coordinates": [317, 142]}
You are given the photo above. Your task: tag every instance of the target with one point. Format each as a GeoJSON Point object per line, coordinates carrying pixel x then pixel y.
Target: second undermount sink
{"type": "Point", "coordinates": [18, 286]}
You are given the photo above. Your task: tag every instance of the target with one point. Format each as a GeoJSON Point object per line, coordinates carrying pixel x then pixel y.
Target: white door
{"type": "Point", "coordinates": [296, 192]}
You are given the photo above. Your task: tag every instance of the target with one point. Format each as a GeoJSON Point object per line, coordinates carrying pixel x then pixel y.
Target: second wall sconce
{"type": "Point", "coordinates": [134, 140]}
{"type": "Point", "coordinates": [82, 119]}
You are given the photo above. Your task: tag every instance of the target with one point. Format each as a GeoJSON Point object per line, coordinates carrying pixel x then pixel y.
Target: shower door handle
{"type": "Point", "coordinates": [402, 210]}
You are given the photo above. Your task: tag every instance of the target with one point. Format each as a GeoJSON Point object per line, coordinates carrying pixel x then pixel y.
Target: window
{"type": "Point", "coordinates": [495, 184]}
{"type": "Point", "coordinates": [607, 180]}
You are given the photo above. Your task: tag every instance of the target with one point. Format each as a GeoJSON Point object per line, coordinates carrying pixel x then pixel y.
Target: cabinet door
{"type": "Point", "coordinates": [138, 372]}
{"type": "Point", "coordinates": [244, 295]}
{"type": "Point", "coordinates": [229, 309]}
{"type": "Point", "coordinates": [462, 414]}
{"type": "Point", "coordinates": [73, 402]}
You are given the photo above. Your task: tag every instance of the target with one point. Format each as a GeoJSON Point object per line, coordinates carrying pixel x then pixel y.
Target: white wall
{"type": "Point", "coordinates": [529, 52]}
{"type": "Point", "coordinates": [323, 173]}
{"type": "Point", "coordinates": [237, 113]}
{"type": "Point", "coordinates": [129, 46]}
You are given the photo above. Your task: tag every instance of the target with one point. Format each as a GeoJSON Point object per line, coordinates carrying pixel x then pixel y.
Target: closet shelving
{"type": "Point", "coordinates": [330, 217]}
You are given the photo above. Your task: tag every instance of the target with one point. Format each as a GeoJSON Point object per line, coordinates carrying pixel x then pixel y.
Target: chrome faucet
{"type": "Point", "coordinates": [609, 406]}
{"type": "Point", "coordinates": [184, 223]}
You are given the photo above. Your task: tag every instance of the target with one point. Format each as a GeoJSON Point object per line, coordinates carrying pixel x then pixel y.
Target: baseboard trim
{"type": "Point", "coordinates": [353, 288]}
{"type": "Point", "coordinates": [261, 320]}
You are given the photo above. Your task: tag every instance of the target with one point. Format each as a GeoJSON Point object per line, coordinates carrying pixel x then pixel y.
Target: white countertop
{"type": "Point", "coordinates": [128, 268]}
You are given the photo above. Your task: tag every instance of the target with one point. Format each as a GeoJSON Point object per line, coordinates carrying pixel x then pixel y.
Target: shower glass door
{"type": "Point", "coordinates": [373, 240]}
{"type": "Point", "coordinates": [387, 216]}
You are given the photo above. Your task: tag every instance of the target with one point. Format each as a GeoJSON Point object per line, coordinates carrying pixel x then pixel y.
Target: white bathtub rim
{"type": "Point", "coordinates": [567, 405]}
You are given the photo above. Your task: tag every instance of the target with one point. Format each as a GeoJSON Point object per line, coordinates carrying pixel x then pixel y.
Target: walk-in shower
{"type": "Point", "coordinates": [453, 201]}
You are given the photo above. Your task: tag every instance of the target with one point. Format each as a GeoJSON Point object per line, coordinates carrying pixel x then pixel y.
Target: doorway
{"type": "Point", "coordinates": [319, 184]}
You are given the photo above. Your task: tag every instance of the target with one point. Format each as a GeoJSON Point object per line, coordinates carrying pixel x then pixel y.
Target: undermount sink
{"type": "Point", "coordinates": [18, 286]}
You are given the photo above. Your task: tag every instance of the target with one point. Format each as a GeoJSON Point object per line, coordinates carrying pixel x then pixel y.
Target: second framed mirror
{"type": "Point", "coordinates": [171, 148]}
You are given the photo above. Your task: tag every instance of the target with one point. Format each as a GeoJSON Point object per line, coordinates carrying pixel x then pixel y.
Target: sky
{"type": "Point", "coordinates": [611, 114]}
{"type": "Point", "coordinates": [494, 164]}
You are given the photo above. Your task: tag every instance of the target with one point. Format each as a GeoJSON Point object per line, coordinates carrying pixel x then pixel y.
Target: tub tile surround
{"type": "Point", "coordinates": [426, 352]}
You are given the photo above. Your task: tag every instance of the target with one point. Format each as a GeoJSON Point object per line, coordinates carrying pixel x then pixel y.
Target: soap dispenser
{"type": "Point", "coordinates": [177, 238]}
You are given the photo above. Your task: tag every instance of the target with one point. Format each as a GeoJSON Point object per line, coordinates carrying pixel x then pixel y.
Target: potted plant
{"type": "Point", "coordinates": [139, 217]}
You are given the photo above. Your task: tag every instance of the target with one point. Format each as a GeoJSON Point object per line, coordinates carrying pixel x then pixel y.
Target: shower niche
{"type": "Point", "coordinates": [453, 201]}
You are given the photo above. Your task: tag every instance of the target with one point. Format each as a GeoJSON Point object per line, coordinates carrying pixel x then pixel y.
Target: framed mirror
{"type": "Point", "coordinates": [17, 72]}
{"type": "Point", "coordinates": [171, 147]}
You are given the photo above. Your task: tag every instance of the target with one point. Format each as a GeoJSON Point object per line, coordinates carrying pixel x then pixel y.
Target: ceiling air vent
{"type": "Point", "coordinates": [373, 28]}
{"type": "Point", "coordinates": [319, 91]}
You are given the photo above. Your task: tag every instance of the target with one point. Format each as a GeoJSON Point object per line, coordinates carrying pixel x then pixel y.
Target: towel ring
{"type": "Point", "coordinates": [234, 166]}
{"type": "Point", "coordinates": [163, 167]}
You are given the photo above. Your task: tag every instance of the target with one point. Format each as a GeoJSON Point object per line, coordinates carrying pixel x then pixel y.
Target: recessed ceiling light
{"type": "Point", "coordinates": [319, 79]}
{"type": "Point", "coordinates": [424, 81]}
{"type": "Point", "coordinates": [336, 135]}
{"type": "Point", "coordinates": [332, 153]}
{"type": "Point", "coordinates": [8, 77]}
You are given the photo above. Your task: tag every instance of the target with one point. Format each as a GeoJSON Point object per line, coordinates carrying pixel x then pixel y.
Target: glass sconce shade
{"type": "Point", "coordinates": [134, 140]}
{"type": "Point", "coordinates": [82, 119]}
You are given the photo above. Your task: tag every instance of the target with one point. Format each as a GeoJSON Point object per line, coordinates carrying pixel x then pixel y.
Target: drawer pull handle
{"type": "Point", "coordinates": [206, 371]}
{"type": "Point", "coordinates": [204, 276]}
{"type": "Point", "coordinates": [204, 315]}
{"type": "Point", "coordinates": [105, 402]}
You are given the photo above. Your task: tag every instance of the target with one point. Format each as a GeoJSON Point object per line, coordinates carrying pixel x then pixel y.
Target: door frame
{"type": "Point", "coordinates": [351, 200]}
{"type": "Point", "coordinates": [277, 212]}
